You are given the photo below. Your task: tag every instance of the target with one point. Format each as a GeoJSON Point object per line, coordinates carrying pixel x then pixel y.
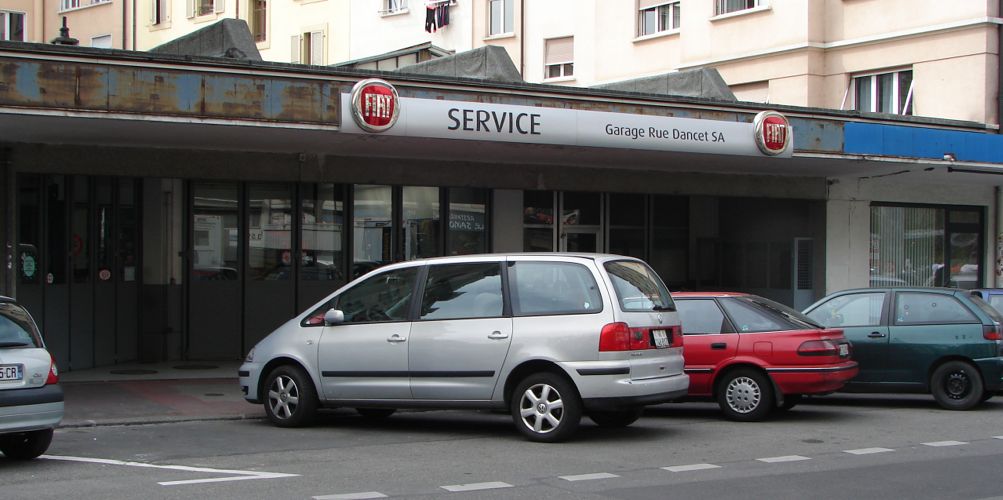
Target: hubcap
{"type": "Point", "coordinates": [743, 395]}
{"type": "Point", "coordinates": [541, 408]}
{"type": "Point", "coordinates": [283, 397]}
{"type": "Point", "coordinates": [958, 385]}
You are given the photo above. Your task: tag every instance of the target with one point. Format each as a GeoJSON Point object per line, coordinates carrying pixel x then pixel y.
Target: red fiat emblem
{"type": "Point", "coordinates": [375, 105]}
{"type": "Point", "coordinates": [773, 132]}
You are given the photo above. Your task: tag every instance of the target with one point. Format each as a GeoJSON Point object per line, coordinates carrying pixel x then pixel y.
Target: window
{"type": "Point", "coordinates": [657, 16]}
{"type": "Point", "coordinates": [728, 6]}
{"type": "Point", "coordinates": [76, 4]}
{"type": "Point", "coordinates": [468, 228]}
{"type": "Point", "coordinates": [638, 287]}
{"type": "Point", "coordinates": [157, 11]}
{"type": "Point", "coordinates": [17, 328]}
{"type": "Point", "coordinates": [269, 225]}
{"type": "Point", "coordinates": [12, 26]}
{"type": "Point", "coordinates": [420, 227]}
{"type": "Point", "coordinates": [500, 17]}
{"type": "Point", "coordinates": [884, 93]}
{"type": "Point", "coordinates": [749, 318]}
{"type": "Point", "coordinates": [560, 57]}
{"type": "Point", "coordinates": [394, 6]}
{"type": "Point", "coordinates": [322, 217]}
{"type": "Point", "coordinates": [198, 8]}
{"type": "Point", "coordinates": [859, 309]}
{"type": "Point", "coordinates": [700, 317]}
{"type": "Point", "coordinates": [308, 48]}
{"type": "Point", "coordinates": [384, 297]}
{"type": "Point", "coordinates": [538, 221]}
{"type": "Point", "coordinates": [459, 291]}
{"type": "Point", "coordinates": [103, 41]}
{"type": "Point", "coordinates": [259, 20]}
{"type": "Point", "coordinates": [930, 308]}
{"type": "Point", "coordinates": [541, 288]}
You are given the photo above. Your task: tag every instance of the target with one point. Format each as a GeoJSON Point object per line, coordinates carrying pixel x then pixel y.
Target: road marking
{"type": "Point", "coordinates": [476, 486]}
{"type": "Point", "coordinates": [691, 467]}
{"type": "Point", "coordinates": [997, 437]}
{"type": "Point", "coordinates": [352, 496]}
{"type": "Point", "coordinates": [944, 443]}
{"type": "Point", "coordinates": [785, 458]}
{"type": "Point", "coordinates": [589, 477]}
{"type": "Point", "coordinates": [868, 451]}
{"type": "Point", "coordinates": [238, 475]}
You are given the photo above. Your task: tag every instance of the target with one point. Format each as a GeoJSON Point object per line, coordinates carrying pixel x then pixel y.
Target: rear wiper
{"type": "Point", "coordinates": [14, 344]}
{"type": "Point", "coordinates": [663, 308]}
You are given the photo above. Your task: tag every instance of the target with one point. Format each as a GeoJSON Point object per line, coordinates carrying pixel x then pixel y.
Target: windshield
{"type": "Point", "coordinates": [17, 328]}
{"type": "Point", "coordinates": [638, 288]}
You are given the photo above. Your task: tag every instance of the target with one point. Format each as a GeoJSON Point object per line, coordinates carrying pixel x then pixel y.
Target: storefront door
{"type": "Point", "coordinates": [581, 222]}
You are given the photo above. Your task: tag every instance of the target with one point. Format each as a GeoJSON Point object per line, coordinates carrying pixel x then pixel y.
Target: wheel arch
{"type": "Point", "coordinates": [527, 368]}
{"type": "Point", "coordinates": [946, 359]}
{"type": "Point", "coordinates": [277, 362]}
{"type": "Point", "coordinates": [738, 365]}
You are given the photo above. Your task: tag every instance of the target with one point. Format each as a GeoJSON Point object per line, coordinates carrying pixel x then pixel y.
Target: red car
{"type": "Point", "coordinates": [752, 354]}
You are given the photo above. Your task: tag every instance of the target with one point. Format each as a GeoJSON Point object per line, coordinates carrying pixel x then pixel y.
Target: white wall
{"type": "Point", "coordinates": [373, 33]}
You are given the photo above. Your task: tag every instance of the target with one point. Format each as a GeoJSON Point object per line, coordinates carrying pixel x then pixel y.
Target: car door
{"type": "Point", "coordinates": [709, 341]}
{"type": "Point", "coordinates": [861, 316]}
{"type": "Point", "coordinates": [927, 326]}
{"type": "Point", "coordinates": [366, 356]}
{"type": "Point", "coordinates": [462, 333]}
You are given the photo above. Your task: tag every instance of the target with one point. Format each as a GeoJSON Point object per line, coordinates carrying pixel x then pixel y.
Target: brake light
{"type": "Point", "coordinates": [818, 348]}
{"type": "Point", "coordinates": [621, 337]}
{"type": "Point", "coordinates": [677, 336]}
{"type": "Point", "coordinates": [992, 332]}
{"type": "Point", "coordinates": [614, 337]}
{"type": "Point", "coordinates": [53, 377]}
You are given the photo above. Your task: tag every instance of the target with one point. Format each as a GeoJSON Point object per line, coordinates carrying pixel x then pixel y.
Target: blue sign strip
{"type": "Point", "coordinates": [916, 142]}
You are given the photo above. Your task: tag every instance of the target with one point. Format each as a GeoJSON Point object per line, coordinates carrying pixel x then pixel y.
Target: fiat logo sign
{"type": "Point", "coordinates": [773, 132]}
{"type": "Point", "coordinates": [375, 105]}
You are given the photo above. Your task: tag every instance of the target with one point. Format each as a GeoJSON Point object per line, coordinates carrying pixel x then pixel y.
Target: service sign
{"type": "Point", "coordinates": [375, 111]}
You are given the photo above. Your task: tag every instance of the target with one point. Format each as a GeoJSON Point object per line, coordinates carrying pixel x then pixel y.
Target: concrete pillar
{"type": "Point", "coordinates": [506, 220]}
{"type": "Point", "coordinates": [161, 334]}
{"type": "Point", "coordinates": [847, 245]}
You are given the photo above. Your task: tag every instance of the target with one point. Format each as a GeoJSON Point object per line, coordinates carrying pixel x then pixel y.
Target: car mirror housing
{"type": "Point", "coordinates": [334, 317]}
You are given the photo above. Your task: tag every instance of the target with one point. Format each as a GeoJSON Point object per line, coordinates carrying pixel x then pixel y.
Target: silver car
{"type": "Point", "coordinates": [31, 400]}
{"type": "Point", "coordinates": [548, 337]}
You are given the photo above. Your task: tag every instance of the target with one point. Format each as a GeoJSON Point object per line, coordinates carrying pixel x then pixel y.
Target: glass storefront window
{"type": "Point", "coordinates": [128, 229]}
{"type": "Point", "coordinates": [80, 230]}
{"type": "Point", "coordinates": [371, 228]}
{"type": "Point", "coordinates": [626, 224]}
{"type": "Point", "coordinates": [269, 232]}
{"type": "Point", "coordinates": [468, 228]}
{"type": "Point", "coordinates": [214, 231]}
{"type": "Point", "coordinates": [29, 221]}
{"type": "Point", "coordinates": [104, 192]}
{"type": "Point", "coordinates": [420, 228]}
{"type": "Point", "coordinates": [322, 215]}
{"type": "Point", "coordinates": [538, 221]}
{"type": "Point", "coordinates": [670, 220]}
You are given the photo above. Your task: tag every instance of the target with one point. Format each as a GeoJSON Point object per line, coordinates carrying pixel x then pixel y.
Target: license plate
{"type": "Point", "coordinates": [661, 338]}
{"type": "Point", "coordinates": [844, 350]}
{"type": "Point", "coordinates": [11, 373]}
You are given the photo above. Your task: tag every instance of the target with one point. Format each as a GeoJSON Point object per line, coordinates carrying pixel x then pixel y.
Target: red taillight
{"type": "Point", "coordinates": [818, 348]}
{"type": "Point", "coordinates": [615, 337]}
{"type": "Point", "coordinates": [992, 332]}
{"type": "Point", "coordinates": [53, 377]}
{"type": "Point", "coordinates": [677, 336]}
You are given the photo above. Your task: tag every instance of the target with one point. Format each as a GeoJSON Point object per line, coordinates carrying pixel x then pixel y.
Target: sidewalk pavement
{"type": "Point", "coordinates": [154, 393]}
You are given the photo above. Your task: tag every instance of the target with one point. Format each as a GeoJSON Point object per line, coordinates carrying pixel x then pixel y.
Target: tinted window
{"type": "Point", "coordinates": [991, 310]}
{"type": "Point", "coordinates": [553, 288]}
{"type": "Point", "coordinates": [384, 297]}
{"type": "Point", "coordinates": [700, 316]}
{"type": "Point", "coordinates": [924, 308]}
{"type": "Point", "coordinates": [750, 318]}
{"type": "Point", "coordinates": [638, 287]}
{"type": "Point", "coordinates": [462, 291]}
{"type": "Point", "coordinates": [860, 309]}
{"type": "Point", "coordinates": [16, 327]}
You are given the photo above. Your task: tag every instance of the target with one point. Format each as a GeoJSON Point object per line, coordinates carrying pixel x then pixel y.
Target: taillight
{"type": "Point", "coordinates": [615, 337]}
{"type": "Point", "coordinates": [818, 348]}
{"type": "Point", "coordinates": [992, 332]}
{"type": "Point", "coordinates": [621, 337]}
{"type": "Point", "coordinates": [53, 377]}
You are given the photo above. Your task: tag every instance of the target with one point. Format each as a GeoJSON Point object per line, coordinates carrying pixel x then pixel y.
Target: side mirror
{"type": "Point", "coordinates": [334, 317]}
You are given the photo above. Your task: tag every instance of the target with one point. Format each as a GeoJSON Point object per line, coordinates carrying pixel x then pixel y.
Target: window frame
{"type": "Point", "coordinates": [659, 29]}
{"type": "Point", "coordinates": [875, 92]}
{"type": "Point", "coordinates": [258, 17]}
{"type": "Point", "coordinates": [726, 327]}
{"type": "Point", "coordinates": [721, 7]}
{"type": "Point", "coordinates": [504, 28]}
{"type": "Point", "coordinates": [6, 16]}
{"type": "Point", "coordinates": [421, 273]}
{"type": "Point", "coordinates": [882, 318]}
{"type": "Point", "coordinates": [111, 40]}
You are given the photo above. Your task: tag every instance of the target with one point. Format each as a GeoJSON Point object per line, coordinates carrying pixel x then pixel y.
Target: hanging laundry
{"type": "Point", "coordinates": [430, 10]}
{"type": "Point", "coordinates": [443, 14]}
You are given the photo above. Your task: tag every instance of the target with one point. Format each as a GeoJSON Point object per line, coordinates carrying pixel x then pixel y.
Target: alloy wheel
{"type": "Point", "coordinates": [283, 397]}
{"type": "Point", "coordinates": [541, 408]}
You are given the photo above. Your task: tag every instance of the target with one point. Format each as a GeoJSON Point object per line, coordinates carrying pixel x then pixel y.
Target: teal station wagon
{"type": "Point", "coordinates": [941, 341]}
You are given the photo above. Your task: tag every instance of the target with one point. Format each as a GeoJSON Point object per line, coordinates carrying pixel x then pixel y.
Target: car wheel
{"type": "Point", "coordinates": [790, 401]}
{"type": "Point", "coordinates": [290, 399]}
{"type": "Point", "coordinates": [745, 395]}
{"type": "Point", "coordinates": [956, 385]}
{"type": "Point", "coordinates": [619, 418]}
{"type": "Point", "coordinates": [546, 407]}
{"type": "Point", "coordinates": [375, 412]}
{"type": "Point", "coordinates": [25, 445]}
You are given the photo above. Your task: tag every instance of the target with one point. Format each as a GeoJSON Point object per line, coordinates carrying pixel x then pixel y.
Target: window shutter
{"type": "Point", "coordinates": [647, 4]}
{"type": "Point", "coordinates": [217, 5]}
{"type": "Point", "coordinates": [317, 48]}
{"type": "Point", "coordinates": [191, 8]}
{"type": "Point", "coordinates": [153, 11]}
{"type": "Point", "coordinates": [560, 50]}
{"type": "Point", "coordinates": [294, 54]}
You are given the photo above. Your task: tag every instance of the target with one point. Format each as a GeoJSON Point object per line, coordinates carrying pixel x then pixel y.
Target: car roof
{"type": "Point", "coordinates": [905, 289]}
{"type": "Point", "coordinates": [683, 295]}
{"type": "Point", "coordinates": [505, 255]}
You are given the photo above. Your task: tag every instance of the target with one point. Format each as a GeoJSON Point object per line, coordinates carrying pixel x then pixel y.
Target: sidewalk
{"type": "Point", "coordinates": [155, 393]}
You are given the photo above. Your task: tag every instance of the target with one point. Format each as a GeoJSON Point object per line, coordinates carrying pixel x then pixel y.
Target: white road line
{"type": "Point", "coordinates": [476, 486]}
{"type": "Point", "coordinates": [239, 475]}
{"type": "Point", "coordinates": [367, 495]}
{"type": "Point", "coordinates": [997, 437]}
{"type": "Point", "coordinates": [944, 443]}
{"type": "Point", "coordinates": [868, 451]}
{"type": "Point", "coordinates": [691, 467]}
{"type": "Point", "coordinates": [785, 458]}
{"type": "Point", "coordinates": [589, 477]}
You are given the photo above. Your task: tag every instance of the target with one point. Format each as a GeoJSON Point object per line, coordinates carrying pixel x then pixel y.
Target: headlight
{"type": "Point", "coordinates": [250, 356]}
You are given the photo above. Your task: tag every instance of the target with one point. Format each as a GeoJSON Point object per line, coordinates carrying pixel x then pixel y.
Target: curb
{"type": "Point", "coordinates": [156, 421]}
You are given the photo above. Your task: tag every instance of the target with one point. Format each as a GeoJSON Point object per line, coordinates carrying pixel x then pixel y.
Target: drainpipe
{"type": "Point", "coordinates": [997, 264]}
{"type": "Point", "coordinates": [522, 38]}
{"type": "Point", "coordinates": [125, 24]}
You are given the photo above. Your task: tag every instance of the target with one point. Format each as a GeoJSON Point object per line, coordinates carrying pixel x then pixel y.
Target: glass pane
{"type": "Point", "coordinates": [862, 95]}
{"type": "Point", "coordinates": [907, 246]}
{"type": "Point", "coordinates": [468, 229]}
{"type": "Point", "coordinates": [421, 228]}
{"type": "Point", "coordinates": [536, 239]}
{"type": "Point", "coordinates": [214, 230]}
{"type": "Point", "coordinates": [964, 263]}
{"type": "Point", "coordinates": [269, 232]}
{"type": "Point", "coordinates": [128, 229]}
{"type": "Point", "coordinates": [905, 83]}
{"type": "Point", "coordinates": [670, 239]}
{"type": "Point", "coordinates": [965, 216]}
{"type": "Point", "coordinates": [509, 11]}
{"type": "Point", "coordinates": [628, 242]}
{"type": "Point", "coordinates": [581, 209]}
{"type": "Point", "coordinates": [626, 210]}
{"type": "Point", "coordinates": [581, 242]}
{"type": "Point", "coordinates": [700, 316]}
{"type": "Point", "coordinates": [676, 15]}
{"type": "Point", "coordinates": [462, 291]}
{"type": "Point", "coordinates": [538, 207]}
{"type": "Point", "coordinates": [384, 297]}
{"type": "Point", "coordinates": [637, 287]}
{"type": "Point", "coordinates": [371, 228]}
{"type": "Point", "coordinates": [16, 327]}
{"type": "Point", "coordinates": [861, 309]}
{"type": "Point", "coordinates": [496, 17]}
{"type": "Point", "coordinates": [553, 288]}
{"type": "Point", "coordinates": [930, 308]}
{"type": "Point", "coordinates": [105, 238]}
{"type": "Point", "coordinates": [649, 21]}
{"type": "Point", "coordinates": [569, 69]}
{"type": "Point", "coordinates": [554, 71]}
{"type": "Point", "coordinates": [322, 215]}
{"type": "Point", "coordinates": [80, 230]}
{"type": "Point", "coordinates": [886, 96]}
{"type": "Point", "coordinates": [748, 318]}
{"type": "Point", "coordinates": [17, 27]}
{"type": "Point", "coordinates": [56, 241]}
{"type": "Point", "coordinates": [29, 222]}
{"type": "Point", "coordinates": [664, 17]}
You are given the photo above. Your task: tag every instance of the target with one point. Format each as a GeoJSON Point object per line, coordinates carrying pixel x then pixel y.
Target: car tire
{"type": "Point", "coordinates": [375, 413]}
{"type": "Point", "coordinates": [616, 418]}
{"type": "Point", "coordinates": [546, 407]}
{"type": "Point", "coordinates": [290, 397]}
{"type": "Point", "coordinates": [956, 385]}
{"type": "Point", "coordinates": [745, 395]}
{"type": "Point", "coordinates": [790, 401]}
{"type": "Point", "coordinates": [25, 445]}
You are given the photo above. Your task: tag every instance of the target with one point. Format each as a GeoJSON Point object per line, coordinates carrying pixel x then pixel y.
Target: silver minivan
{"type": "Point", "coordinates": [547, 337]}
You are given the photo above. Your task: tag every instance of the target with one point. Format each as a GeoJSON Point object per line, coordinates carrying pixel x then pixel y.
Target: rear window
{"type": "Point", "coordinates": [637, 287]}
{"type": "Point", "coordinates": [756, 314]}
{"type": "Point", "coordinates": [991, 310]}
{"type": "Point", "coordinates": [16, 327]}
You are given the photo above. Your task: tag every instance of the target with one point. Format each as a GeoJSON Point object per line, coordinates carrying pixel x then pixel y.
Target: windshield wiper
{"type": "Point", "coordinates": [14, 344]}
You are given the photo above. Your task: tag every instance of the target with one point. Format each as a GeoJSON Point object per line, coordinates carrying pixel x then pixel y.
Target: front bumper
{"type": "Point", "coordinates": [31, 409]}
{"type": "Point", "coordinates": [248, 375]}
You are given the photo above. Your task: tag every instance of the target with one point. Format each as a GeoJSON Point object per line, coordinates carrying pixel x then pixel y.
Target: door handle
{"type": "Point", "coordinates": [497, 335]}
{"type": "Point", "coordinates": [396, 339]}
{"type": "Point", "coordinates": [718, 345]}
{"type": "Point", "coordinates": [876, 335]}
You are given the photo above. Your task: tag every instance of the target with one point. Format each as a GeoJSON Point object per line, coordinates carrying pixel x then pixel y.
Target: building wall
{"type": "Point", "coordinates": [511, 42]}
{"type": "Point", "coordinates": [374, 33]}
{"type": "Point", "coordinates": [90, 21]}
{"type": "Point", "coordinates": [34, 18]}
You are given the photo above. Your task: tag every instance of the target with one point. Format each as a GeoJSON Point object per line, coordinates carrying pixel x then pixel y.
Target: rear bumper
{"type": "Point", "coordinates": [31, 409]}
{"type": "Point", "coordinates": [813, 379]}
{"type": "Point", "coordinates": [608, 385]}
